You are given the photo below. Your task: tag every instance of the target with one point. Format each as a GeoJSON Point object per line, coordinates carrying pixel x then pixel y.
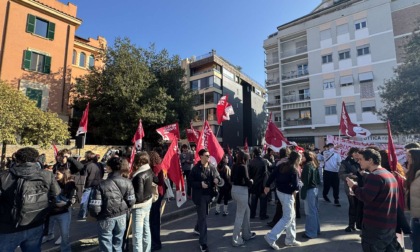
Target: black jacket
{"type": "Point", "coordinates": [142, 183]}
{"type": "Point", "coordinates": [67, 196]}
{"type": "Point", "coordinates": [200, 174]}
{"type": "Point", "coordinates": [113, 197]}
{"type": "Point", "coordinates": [93, 174]}
{"type": "Point", "coordinates": [72, 164]}
{"type": "Point", "coordinates": [8, 184]}
{"type": "Point", "coordinates": [240, 176]}
{"type": "Point", "coordinates": [257, 170]}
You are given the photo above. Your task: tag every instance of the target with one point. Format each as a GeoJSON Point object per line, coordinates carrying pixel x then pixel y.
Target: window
{"type": "Point", "coordinates": [277, 99]}
{"type": "Point", "coordinates": [35, 95]}
{"type": "Point", "coordinates": [360, 24]}
{"type": "Point", "coordinates": [36, 62]}
{"type": "Point", "coordinates": [305, 113]}
{"type": "Point", "coordinates": [302, 69]}
{"type": "Point", "coordinates": [366, 90]}
{"type": "Point", "coordinates": [73, 61]}
{"type": "Point", "coordinates": [368, 106]}
{"type": "Point", "coordinates": [40, 27]}
{"type": "Point", "coordinates": [351, 108]}
{"type": "Point", "coordinates": [325, 34]}
{"type": "Point", "coordinates": [82, 60]}
{"type": "Point", "coordinates": [327, 59]}
{"type": "Point", "coordinates": [91, 61]}
{"type": "Point", "coordinates": [331, 110]}
{"type": "Point", "coordinates": [328, 84]}
{"type": "Point", "coordinates": [342, 29]}
{"type": "Point", "coordinates": [277, 117]}
{"type": "Point", "coordinates": [363, 50]}
{"type": "Point", "coordinates": [194, 85]}
{"type": "Point", "coordinates": [344, 55]}
{"type": "Point", "coordinates": [346, 80]}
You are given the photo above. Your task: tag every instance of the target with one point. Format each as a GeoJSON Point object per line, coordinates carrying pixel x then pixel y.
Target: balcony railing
{"type": "Point", "coordinates": [271, 61]}
{"type": "Point", "coordinates": [274, 102]}
{"type": "Point", "coordinates": [298, 122]}
{"type": "Point", "coordinates": [296, 97]}
{"type": "Point", "coordinates": [272, 81]}
{"type": "Point", "coordinates": [297, 50]}
{"type": "Point", "coordinates": [294, 74]}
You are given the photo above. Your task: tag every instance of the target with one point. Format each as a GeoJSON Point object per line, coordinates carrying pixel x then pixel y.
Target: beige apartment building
{"type": "Point", "coordinates": [40, 54]}
{"type": "Point", "coordinates": [342, 51]}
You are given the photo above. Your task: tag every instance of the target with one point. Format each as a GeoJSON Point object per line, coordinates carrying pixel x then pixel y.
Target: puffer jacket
{"type": "Point", "coordinates": [415, 196]}
{"type": "Point", "coordinates": [142, 183]}
{"type": "Point", "coordinates": [8, 184]}
{"type": "Point", "coordinates": [113, 197]}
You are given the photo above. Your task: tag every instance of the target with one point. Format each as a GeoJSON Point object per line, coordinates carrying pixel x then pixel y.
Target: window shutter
{"type": "Point", "coordinates": [35, 95]}
{"type": "Point", "coordinates": [47, 64]}
{"type": "Point", "coordinates": [51, 29]}
{"type": "Point", "coordinates": [30, 24]}
{"type": "Point", "coordinates": [27, 59]}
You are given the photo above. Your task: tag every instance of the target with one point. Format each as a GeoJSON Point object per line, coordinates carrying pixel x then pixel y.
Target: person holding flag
{"type": "Point", "coordinates": [204, 177]}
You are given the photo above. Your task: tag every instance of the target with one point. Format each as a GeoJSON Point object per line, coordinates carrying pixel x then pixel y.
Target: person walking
{"type": "Point", "coordinates": [187, 162]}
{"type": "Point", "coordinates": [258, 170]}
{"type": "Point", "coordinates": [203, 178]}
{"type": "Point", "coordinates": [241, 183]}
{"type": "Point", "coordinates": [412, 186]}
{"type": "Point", "coordinates": [110, 204]}
{"type": "Point", "coordinates": [225, 190]}
{"type": "Point", "coordinates": [332, 161]}
{"type": "Point", "coordinates": [287, 180]}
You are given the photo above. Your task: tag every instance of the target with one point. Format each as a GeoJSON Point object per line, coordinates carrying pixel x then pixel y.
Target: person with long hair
{"type": "Point", "coordinates": [287, 180]}
{"type": "Point", "coordinates": [155, 211]}
{"type": "Point", "coordinates": [412, 186]}
{"type": "Point", "coordinates": [225, 190]}
{"type": "Point", "coordinates": [241, 183]}
{"type": "Point", "coordinates": [309, 193]}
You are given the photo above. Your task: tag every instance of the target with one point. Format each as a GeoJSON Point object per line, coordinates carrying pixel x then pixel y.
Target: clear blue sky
{"type": "Point", "coordinates": [236, 29]}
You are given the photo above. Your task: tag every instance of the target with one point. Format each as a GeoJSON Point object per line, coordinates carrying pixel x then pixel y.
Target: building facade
{"type": "Point", "coordinates": [343, 51]}
{"type": "Point", "coordinates": [212, 77]}
{"type": "Point", "coordinates": [40, 53]}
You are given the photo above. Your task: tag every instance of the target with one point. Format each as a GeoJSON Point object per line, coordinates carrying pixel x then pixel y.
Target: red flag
{"type": "Point", "coordinates": [171, 166]}
{"type": "Point", "coordinates": [169, 132]}
{"type": "Point", "coordinates": [138, 136]}
{"type": "Point", "coordinates": [55, 151]}
{"type": "Point", "coordinates": [274, 138]}
{"type": "Point", "coordinates": [209, 141]}
{"type": "Point", "coordinates": [192, 134]}
{"type": "Point", "coordinates": [346, 126]}
{"type": "Point", "coordinates": [392, 157]}
{"type": "Point", "coordinates": [246, 149]}
{"type": "Point", "coordinates": [224, 110]}
{"type": "Point", "coordinates": [84, 122]}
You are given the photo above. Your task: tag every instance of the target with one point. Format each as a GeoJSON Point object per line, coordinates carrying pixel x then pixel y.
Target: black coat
{"type": "Point", "coordinates": [200, 174]}
{"type": "Point", "coordinates": [257, 170]}
{"type": "Point", "coordinates": [93, 174]}
{"type": "Point", "coordinates": [142, 183]}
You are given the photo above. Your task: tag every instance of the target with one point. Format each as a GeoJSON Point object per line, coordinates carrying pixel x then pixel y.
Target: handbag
{"type": "Point", "coordinates": [169, 192]}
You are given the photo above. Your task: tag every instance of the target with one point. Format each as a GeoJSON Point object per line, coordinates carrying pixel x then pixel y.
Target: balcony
{"type": "Point", "coordinates": [296, 97]}
{"type": "Point", "coordinates": [297, 122]}
{"type": "Point", "coordinates": [272, 103]}
{"type": "Point", "coordinates": [272, 82]}
{"type": "Point", "coordinates": [294, 74]}
{"type": "Point", "coordinates": [295, 51]}
{"type": "Point", "coordinates": [271, 61]}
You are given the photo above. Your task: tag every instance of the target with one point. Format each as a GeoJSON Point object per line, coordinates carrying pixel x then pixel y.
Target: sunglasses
{"type": "Point", "coordinates": [206, 155]}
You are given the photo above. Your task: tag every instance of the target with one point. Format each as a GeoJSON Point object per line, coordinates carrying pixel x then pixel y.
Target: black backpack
{"type": "Point", "coordinates": [31, 201]}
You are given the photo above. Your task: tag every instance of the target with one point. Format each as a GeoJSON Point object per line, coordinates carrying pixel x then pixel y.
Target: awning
{"type": "Point", "coordinates": [346, 79]}
{"type": "Point", "coordinates": [367, 76]}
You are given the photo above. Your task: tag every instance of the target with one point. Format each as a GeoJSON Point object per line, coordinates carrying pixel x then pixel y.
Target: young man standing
{"type": "Point", "coordinates": [332, 161]}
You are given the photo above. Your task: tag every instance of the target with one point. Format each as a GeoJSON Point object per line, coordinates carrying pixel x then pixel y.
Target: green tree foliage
{"type": "Point", "coordinates": [21, 119]}
{"type": "Point", "coordinates": [134, 83]}
{"type": "Point", "coordinates": [401, 94]}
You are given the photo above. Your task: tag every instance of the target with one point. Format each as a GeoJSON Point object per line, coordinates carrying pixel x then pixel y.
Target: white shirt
{"type": "Point", "coordinates": [334, 160]}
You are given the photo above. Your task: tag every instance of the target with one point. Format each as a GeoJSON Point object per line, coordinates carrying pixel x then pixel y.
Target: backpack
{"type": "Point", "coordinates": [31, 201]}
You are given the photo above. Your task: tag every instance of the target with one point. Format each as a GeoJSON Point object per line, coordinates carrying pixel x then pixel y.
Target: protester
{"type": "Point", "coordinates": [203, 178]}
{"type": "Point", "coordinates": [64, 159]}
{"type": "Point", "coordinates": [286, 177]}
{"type": "Point", "coordinates": [110, 204]}
{"type": "Point", "coordinates": [241, 182]}
{"type": "Point", "coordinates": [22, 224]}
{"type": "Point", "coordinates": [61, 213]}
{"type": "Point", "coordinates": [309, 193]}
{"type": "Point", "coordinates": [225, 190]}
{"type": "Point", "coordinates": [187, 162]}
{"type": "Point", "coordinates": [156, 209]}
{"type": "Point", "coordinates": [258, 170]}
{"type": "Point", "coordinates": [270, 156]}
{"type": "Point", "coordinates": [349, 168]}
{"type": "Point", "coordinates": [332, 161]}
{"type": "Point", "coordinates": [143, 178]}
{"type": "Point", "coordinates": [413, 196]}
{"type": "Point", "coordinates": [379, 195]}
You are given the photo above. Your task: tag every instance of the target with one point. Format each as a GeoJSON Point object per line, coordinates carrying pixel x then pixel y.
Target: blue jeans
{"type": "Point", "coordinates": [84, 207]}
{"type": "Point", "coordinates": [415, 236]}
{"type": "Point", "coordinates": [28, 240]}
{"type": "Point", "coordinates": [287, 222]}
{"type": "Point", "coordinates": [312, 228]}
{"type": "Point", "coordinates": [63, 221]}
{"type": "Point", "coordinates": [142, 239]}
{"type": "Point", "coordinates": [111, 233]}
{"type": "Point", "coordinates": [240, 195]}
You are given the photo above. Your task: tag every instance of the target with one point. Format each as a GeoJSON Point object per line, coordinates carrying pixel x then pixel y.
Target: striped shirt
{"type": "Point", "coordinates": [380, 197]}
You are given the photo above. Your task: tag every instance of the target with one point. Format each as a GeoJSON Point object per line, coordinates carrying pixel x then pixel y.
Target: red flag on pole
{"type": "Point", "coordinates": [348, 128]}
{"type": "Point", "coordinates": [274, 138]}
{"type": "Point", "coordinates": [137, 141]}
{"type": "Point", "coordinates": [224, 110]}
{"type": "Point", "coordinates": [55, 151]}
{"type": "Point", "coordinates": [171, 165]}
{"type": "Point", "coordinates": [246, 149]}
{"type": "Point", "coordinates": [192, 134]}
{"type": "Point", "coordinates": [392, 157]}
{"type": "Point", "coordinates": [83, 125]}
{"type": "Point", "coordinates": [209, 141]}
{"type": "Point", "coordinates": [169, 132]}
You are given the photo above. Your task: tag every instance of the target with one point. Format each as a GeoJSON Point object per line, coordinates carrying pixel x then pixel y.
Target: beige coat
{"type": "Point", "coordinates": [415, 196]}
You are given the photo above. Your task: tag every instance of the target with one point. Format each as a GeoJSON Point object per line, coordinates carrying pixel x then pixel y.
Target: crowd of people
{"type": "Point", "coordinates": [35, 195]}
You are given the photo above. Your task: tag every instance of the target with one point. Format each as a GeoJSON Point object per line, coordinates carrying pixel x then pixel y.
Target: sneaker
{"type": "Point", "coordinates": [58, 241]}
{"type": "Point", "coordinates": [253, 235]}
{"type": "Point", "coordinates": [217, 213]}
{"type": "Point", "coordinates": [47, 238]}
{"type": "Point", "coordinates": [349, 229]}
{"type": "Point", "coordinates": [204, 248]}
{"type": "Point", "coordinates": [273, 245]}
{"type": "Point", "coordinates": [337, 203]}
{"type": "Point", "coordinates": [196, 232]}
{"type": "Point", "coordinates": [237, 244]}
{"type": "Point", "coordinates": [293, 244]}
{"type": "Point", "coordinates": [225, 213]}
{"type": "Point", "coordinates": [327, 199]}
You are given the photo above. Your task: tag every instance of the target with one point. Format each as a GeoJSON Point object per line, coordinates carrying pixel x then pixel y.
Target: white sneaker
{"type": "Point", "coordinates": [47, 238]}
{"type": "Point", "coordinates": [293, 244]}
{"type": "Point", "coordinates": [272, 244]}
{"type": "Point", "coordinates": [58, 241]}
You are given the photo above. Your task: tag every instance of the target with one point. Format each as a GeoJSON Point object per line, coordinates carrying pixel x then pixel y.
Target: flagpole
{"type": "Point", "coordinates": [217, 132]}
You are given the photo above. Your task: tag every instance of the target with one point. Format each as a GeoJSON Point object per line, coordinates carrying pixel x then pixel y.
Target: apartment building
{"type": "Point", "coordinates": [212, 77]}
{"type": "Point", "coordinates": [40, 53]}
{"type": "Point", "coordinates": [342, 51]}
